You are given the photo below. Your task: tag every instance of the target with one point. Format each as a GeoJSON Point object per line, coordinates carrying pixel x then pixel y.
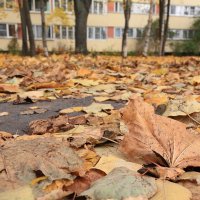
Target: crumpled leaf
{"type": "Point", "coordinates": [21, 160]}
{"type": "Point", "coordinates": [95, 108]}
{"type": "Point", "coordinates": [108, 163]}
{"type": "Point", "coordinates": [51, 125]}
{"type": "Point", "coordinates": [154, 138]}
{"type": "Point", "coordinates": [121, 183]}
{"type": "Point", "coordinates": [85, 82]}
{"type": "Point", "coordinates": [83, 183]}
{"type": "Point", "coordinates": [191, 176]}
{"type": "Point", "coordinates": [181, 107]}
{"type": "Point", "coordinates": [70, 110]}
{"type": "Point", "coordinates": [9, 88]}
{"type": "Point", "coordinates": [171, 191]}
{"type": "Point", "coordinates": [24, 192]}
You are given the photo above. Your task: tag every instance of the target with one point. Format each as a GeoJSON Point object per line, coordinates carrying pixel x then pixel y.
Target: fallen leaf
{"type": "Point", "coordinates": [17, 194]}
{"type": "Point", "coordinates": [49, 157]}
{"type": "Point", "coordinates": [157, 139]}
{"type": "Point", "coordinates": [181, 107]}
{"type": "Point", "coordinates": [170, 191]}
{"type": "Point", "coordinates": [83, 183]}
{"type": "Point", "coordinates": [3, 114]}
{"type": "Point", "coordinates": [33, 111]}
{"type": "Point", "coordinates": [51, 125]}
{"type": "Point", "coordinates": [44, 85]}
{"type": "Point", "coordinates": [85, 82]}
{"type": "Point", "coordinates": [195, 80]}
{"type": "Point", "coordinates": [84, 72]}
{"type": "Point", "coordinates": [96, 108]}
{"type": "Point", "coordinates": [108, 163]}
{"type": "Point", "coordinates": [9, 88]}
{"type": "Point", "coordinates": [121, 183]}
{"type": "Point", "coordinates": [191, 176]}
{"type": "Point", "coordinates": [89, 157]}
{"type": "Point", "coordinates": [71, 110]}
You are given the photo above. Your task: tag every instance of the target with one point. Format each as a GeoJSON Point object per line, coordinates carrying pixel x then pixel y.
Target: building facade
{"type": "Point", "coordinates": [105, 23]}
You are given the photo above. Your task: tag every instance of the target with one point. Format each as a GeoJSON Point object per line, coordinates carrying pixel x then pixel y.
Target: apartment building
{"type": "Point", "coordinates": [105, 23]}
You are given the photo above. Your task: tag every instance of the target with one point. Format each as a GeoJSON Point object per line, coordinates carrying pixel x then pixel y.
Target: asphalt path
{"type": "Point", "coordinates": [17, 123]}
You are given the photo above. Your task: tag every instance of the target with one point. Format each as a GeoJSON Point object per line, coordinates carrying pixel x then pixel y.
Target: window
{"type": "Point", "coordinates": [49, 32]}
{"type": "Point", "coordinates": [10, 4]}
{"type": "Point", "coordinates": [119, 7]}
{"type": "Point", "coordinates": [34, 5]}
{"type": "Point", "coordinates": [172, 10]}
{"type": "Point", "coordinates": [1, 3]}
{"type": "Point", "coordinates": [131, 33]}
{"type": "Point", "coordinates": [141, 8]}
{"type": "Point", "coordinates": [71, 33]}
{"type": "Point", "coordinates": [97, 33]}
{"type": "Point", "coordinates": [11, 30]}
{"type": "Point", "coordinates": [118, 32]}
{"type": "Point", "coordinates": [37, 30]}
{"type": "Point", "coordinates": [57, 31]}
{"type": "Point", "coordinates": [67, 5]}
{"type": "Point", "coordinates": [98, 7]}
{"type": "Point", "coordinates": [64, 32]}
{"type": "Point", "coordinates": [184, 10]}
{"type": "Point", "coordinates": [139, 32]}
{"type": "Point", "coordinates": [3, 30]}
{"type": "Point", "coordinates": [8, 30]}
{"type": "Point", "coordinates": [178, 34]}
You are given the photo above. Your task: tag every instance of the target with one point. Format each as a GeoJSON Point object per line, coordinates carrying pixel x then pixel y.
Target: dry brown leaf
{"type": "Point", "coordinates": [9, 88]}
{"type": "Point", "coordinates": [89, 157]}
{"type": "Point", "coordinates": [158, 139]}
{"type": "Point", "coordinates": [52, 125]}
{"type": "Point", "coordinates": [44, 85]}
{"type": "Point", "coordinates": [22, 161]}
{"type": "Point", "coordinates": [83, 183]}
{"type": "Point", "coordinates": [84, 72]}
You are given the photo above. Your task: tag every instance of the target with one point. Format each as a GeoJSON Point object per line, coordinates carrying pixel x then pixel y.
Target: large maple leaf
{"type": "Point", "coordinates": [153, 138]}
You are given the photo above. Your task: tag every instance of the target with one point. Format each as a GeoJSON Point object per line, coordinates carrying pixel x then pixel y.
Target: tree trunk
{"type": "Point", "coordinates": [127, 14]}
{"type": "Point", "coordinates": [44, 39]}
{"type": "Point", "coordinates": [166, 27]}
{"type": "Point", "coordinates": [147, 36]}
{"type": "Point", "coordinates": [81, 9]}
{"type": "Point", "coordinates": [24, 32]}
{"type": "Point", "coordinates": [162, 26]}
{"type": "Point", "coordinates": [29, 28]}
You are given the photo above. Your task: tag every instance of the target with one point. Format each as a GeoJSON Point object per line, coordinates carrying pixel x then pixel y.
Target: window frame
{"type": "Point", "coordinates": [8, 31]}
{"type": "Point", "coordinates": [98, 2]}
{"type": "Point", "coordinates": [102, 30]}
{"type": "Point", "coordinates": [34, 10]}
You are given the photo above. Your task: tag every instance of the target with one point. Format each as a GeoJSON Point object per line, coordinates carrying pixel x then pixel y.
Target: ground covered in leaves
{"type": "Point", "coordinates": [83, 127]}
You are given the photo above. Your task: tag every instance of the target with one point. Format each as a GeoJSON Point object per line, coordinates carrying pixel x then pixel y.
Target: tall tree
{"type": "Point", "coordinates": [24, 31]}
{"type": "Point", "coordinates": [163, 23]}
{"type": "Point", "coordinates": [43, 22]}
{"type": "Point", "coordinates": [29, 28]}
{"type": "Point", "coordinates": [127, 15]}
{"type": "Point", "coordinates": [26, 26]}
{"type": "Point", "coordinates": [81, 9]}
{"type": "Point", "coordinates": [147, 35]}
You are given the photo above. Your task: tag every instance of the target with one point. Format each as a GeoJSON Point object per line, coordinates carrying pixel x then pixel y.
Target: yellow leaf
{"type": "Point", "coordinates": [37, 180]}
{"type": "Point", "coordinates": [108, 163]}
{"type": "Point", "coordinates": [70, 110]}
{"type": "Point", "coordinates": [171, 191]}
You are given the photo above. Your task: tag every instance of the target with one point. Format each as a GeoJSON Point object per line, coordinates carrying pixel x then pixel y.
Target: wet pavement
{"type": "Point", "coordinates": [17, 123]}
